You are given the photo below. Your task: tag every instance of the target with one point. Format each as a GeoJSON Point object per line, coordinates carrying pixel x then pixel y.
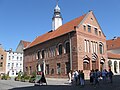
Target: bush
{"type": "Point", "coordinates": [18, 78]}
{"type": "Point", "coordinates": [5, 77]}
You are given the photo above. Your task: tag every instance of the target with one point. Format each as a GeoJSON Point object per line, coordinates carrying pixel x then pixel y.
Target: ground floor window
{"type": "Point", "coordinates": [58, 68]}
{"type": "Point", "coordinates": [47, 68]}
{"type": "Point", "coordinates": [115, 66]}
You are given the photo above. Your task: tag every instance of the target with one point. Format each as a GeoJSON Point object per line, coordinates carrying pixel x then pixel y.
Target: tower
{"type": "Point", "coordinates": [57, 18]}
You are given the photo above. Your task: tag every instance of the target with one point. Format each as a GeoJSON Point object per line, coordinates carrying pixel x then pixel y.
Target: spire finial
{"type": "Point", "coordinates": [57, 2]}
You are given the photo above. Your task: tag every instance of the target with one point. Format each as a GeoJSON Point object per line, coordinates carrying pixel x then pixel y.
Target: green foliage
{"type": "Point", "coordinates": [5, 77]}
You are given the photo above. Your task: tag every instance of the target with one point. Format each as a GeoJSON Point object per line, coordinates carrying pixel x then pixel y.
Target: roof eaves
{"type": "Point", "coordinates": [49, 39]}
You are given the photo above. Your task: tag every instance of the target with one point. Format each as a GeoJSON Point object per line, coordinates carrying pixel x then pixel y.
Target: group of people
{"type": "Point", "coordinates": [77, 77]}
{"type": "Point", "coordinates": [96, 75]}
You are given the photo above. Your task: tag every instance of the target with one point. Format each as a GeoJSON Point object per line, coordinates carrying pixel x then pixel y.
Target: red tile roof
{"type": "Point", "coordinates": [113, 56]}
{"type": "Point", "coordinates": [113, 44]}
{"type": "Point", "coordinates": [25, 43]}
{"type": "Point", "coordinates": [65, 28]}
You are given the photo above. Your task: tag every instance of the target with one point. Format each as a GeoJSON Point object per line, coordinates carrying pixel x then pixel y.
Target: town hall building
{"type": "Point", "coordinates": [79, 44]}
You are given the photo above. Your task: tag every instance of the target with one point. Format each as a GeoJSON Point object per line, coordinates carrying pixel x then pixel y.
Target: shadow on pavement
{"type": "Point", "coordinates": [103, 86]}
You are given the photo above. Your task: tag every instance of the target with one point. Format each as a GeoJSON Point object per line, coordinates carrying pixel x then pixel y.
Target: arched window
{"type": "Point", "coordinates": [43, 54]}
{"type": "Point", "coordinates": [115, 66]}
{"type": "Point", "coordinates": [86, 62]}
{"type": "Point", "coordinates": [38, 54]}
{"type": "Point", "coordinates": [101, 48]}
{"type": "Point", "coordinates": [67, 47]}
{"type": "Point", "coordinates": [60, 49]}
{"type": "Point", "coordinates": [110, 64]}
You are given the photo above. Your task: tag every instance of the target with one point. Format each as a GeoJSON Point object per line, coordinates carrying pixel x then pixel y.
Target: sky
{"type": "Point", "coordinates": [27, 19]}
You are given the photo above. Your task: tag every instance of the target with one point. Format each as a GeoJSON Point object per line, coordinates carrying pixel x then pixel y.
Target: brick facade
{"type": "Point", "coordinates": [2, 61]}
{"type": "Point", "coordinates": [80, 56]}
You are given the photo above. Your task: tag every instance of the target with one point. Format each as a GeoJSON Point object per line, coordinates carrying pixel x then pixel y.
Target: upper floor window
{"type": "Point", "coordinates": [12, 57]}
{"type": "Point", "coordinates": [1, 64]}
{"type": "Point", "coordinates": [96, 31]}
{"type": "Point", "coordinates": [8, 64]}
{"type": "Point", "coordinates": [60, 49]}
{"type": "Point", "coordinates": [84, 27]}
{"type": "Point", "coordinates": [87, 46]}
{"type": "Point", "coordinates": [1, 56]}
{"type": "Point", "coordinates": [17, 58]}
{"type": "Point", "coordinates": [101, 48]}
{"type": "Point", "coordinates": [99, 33]}
{"type": "Point", "coordinates": [9, 57]}
{"type": "Point", "coordinates": [89, 28]}
{"type": "Point", "coordinates": [20, 58]}
{"type": "Point", "coordinates": [67, 47]}
{"type": "Point", "coordinates": [16, 64]}
{"type": "Point", "coordinates": [43, 54]}
{"type": "Point", "coordinates": [38, 55]}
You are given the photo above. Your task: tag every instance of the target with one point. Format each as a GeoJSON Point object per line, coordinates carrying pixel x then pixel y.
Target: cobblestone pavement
{"type": "Point", "coordinates": [58, 84]}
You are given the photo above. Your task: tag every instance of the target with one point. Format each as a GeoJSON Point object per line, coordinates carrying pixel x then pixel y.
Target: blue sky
{"type": "Point", "coordinates": [27, 19]}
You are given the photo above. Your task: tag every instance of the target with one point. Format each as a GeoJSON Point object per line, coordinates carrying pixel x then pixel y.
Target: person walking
{"type": "Point", "coordinates": [43, 79]}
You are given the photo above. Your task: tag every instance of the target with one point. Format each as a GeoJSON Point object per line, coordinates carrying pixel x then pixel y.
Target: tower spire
{"type": "Point", "coordinates": [57, 18]}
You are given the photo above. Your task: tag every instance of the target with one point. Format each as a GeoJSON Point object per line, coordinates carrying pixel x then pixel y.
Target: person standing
{"type": "Point", "coordinates": [70, 76]}
{"type": "Point", "coordinates": [110, 74]}
{"type": "Point", "coordinates": [82, 78]}
{"type": "Point", "coordinates": [92, 76]}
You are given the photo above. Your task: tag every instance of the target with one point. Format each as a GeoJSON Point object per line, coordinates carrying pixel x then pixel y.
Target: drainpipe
{"type": "Point", "coordinates": [70, 51]}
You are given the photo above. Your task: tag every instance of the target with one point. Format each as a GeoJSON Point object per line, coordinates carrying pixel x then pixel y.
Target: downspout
{"type": "Point", "coordinates": [70, 51]}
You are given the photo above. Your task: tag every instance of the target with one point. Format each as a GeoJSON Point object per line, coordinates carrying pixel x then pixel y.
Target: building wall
{"type": "Point", "coordinates": [88, 49]}
{"type": "Point", "coordinates": [115, 68]}
{"type": "Point", "coordinates": [2, 60]}
{"type": "Point", "coordinates": [14, 63]}
{"type": "Point", "coordinates": [51, 60]}
{"type": "Point", "coordinates": [77, 54]}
